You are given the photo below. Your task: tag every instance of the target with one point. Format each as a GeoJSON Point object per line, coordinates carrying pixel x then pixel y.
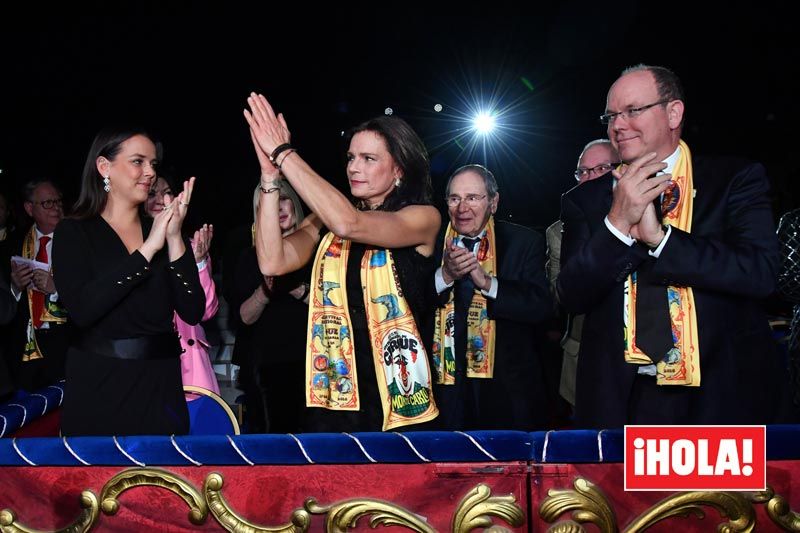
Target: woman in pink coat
{"type": "Point", "coordinates": [195, 362]}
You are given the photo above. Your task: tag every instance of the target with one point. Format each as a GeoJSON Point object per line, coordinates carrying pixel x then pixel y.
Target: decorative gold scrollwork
{"type": "Point", "coordinates": [477, 507]}
{"type": "Point", "coordinates": [777, 509]}
{"type": "Point", "coordinates": [587, 503]}
{"type": "Point", "coordinates": [137, 477]}
{"type": "Point", "coordinates": [567, 526]}
{"type": "Point", "coordinates": [91, 510]}
{"type": "Point", "coordinates": [780, 513]}
{"type": "Point", "coordinates": [341, 516]}
{"type": "Point", "coordinates": [231, 521]}
{"type": "Point", "coordinates": [740, 513]}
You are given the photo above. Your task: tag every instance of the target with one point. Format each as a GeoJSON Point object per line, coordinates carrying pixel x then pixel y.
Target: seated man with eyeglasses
{"type": "Point", "coordinates": [39, 334]}
{"type": "Point", "coordinates": [491, 290]}
{"type": "Point", "coordinates": [669, 257]}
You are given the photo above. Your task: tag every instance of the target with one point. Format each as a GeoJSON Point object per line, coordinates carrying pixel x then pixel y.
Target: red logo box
{"type": "Point", "coordinates": [683, 458]}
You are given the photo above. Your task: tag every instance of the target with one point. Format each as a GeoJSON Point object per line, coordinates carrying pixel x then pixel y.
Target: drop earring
{"type": "Point", "coordinates": [106, 184]}
{"type": "Point", "coordinates": [397, 182]}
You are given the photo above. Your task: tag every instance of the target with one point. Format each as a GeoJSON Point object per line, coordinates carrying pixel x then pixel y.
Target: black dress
{"type": "Point", "coordinates": [111, 294]}
{"type": "Point", "coordinates": [415, 272]}
{"type": "Point", "coordinates": [271, 352]}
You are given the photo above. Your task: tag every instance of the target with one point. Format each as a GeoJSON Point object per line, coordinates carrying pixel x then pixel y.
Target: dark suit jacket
{"type": "Point", "coordinates": [729, 259]}
{"type": "Point", "coordinates": [515, 398]}
{"type": "Point", "coordinates": [8, 307]}
{"type": "Point", "coordinates": [32, 375]}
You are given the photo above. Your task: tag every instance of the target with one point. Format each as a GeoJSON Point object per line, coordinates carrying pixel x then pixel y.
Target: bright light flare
{"type": "Point", "coordinates": [484, 123]}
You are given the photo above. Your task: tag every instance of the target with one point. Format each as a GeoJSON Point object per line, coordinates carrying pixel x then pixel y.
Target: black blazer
{"type": "Point", "coordinates": [52, 342]}
{"type": "Point", "coordinates": [515, 398]}
{"type": "Point", "coordinates": [729, 259]}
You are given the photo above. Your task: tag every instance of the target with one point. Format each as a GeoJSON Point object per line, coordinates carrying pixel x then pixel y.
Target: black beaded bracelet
{"type": "Point", "coordinates": [278, 149]}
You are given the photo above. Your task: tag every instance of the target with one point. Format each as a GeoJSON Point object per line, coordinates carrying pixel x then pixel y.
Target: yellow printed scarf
{"type": "Point", "coordinates": [480, 330]}
{"type": "Point", "coordinates": [401, 363]}
{"type": "Point", "coordinates": [52, 312]}
{"type": "Point", "coordinates": [681, 366]}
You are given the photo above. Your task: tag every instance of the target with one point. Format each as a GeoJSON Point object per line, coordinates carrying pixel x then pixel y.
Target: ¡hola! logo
{"type": "Point", "coordinates": [686, 458]}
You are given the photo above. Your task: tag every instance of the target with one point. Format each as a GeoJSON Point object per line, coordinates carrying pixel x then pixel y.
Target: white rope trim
{"type": "Point", "coordinates": [600, 445]}
{"type": "Point", "coordinates": [70, 450]}
{"type": "Point", "coordinates": [412, 447]}
{"type": "Point", "coordinates": [544, 448]}
{"type": "Point", "coordinates": [126, 454]}
{"type": "Point", "coordinates": [371, 460]}
{"type": "Point", "coordinates": [4, 426]}
{"type": "Point", "coordinates": [24, 412]}
{"type": "Point", "coordinates": [301, 448]}
{"type": "Point", "coordinates": [60, 393]}
{"type": "Point", "coordinates": [43, 397]}
{"type": "Point", "coordinates": [481, 448]}
{"type": "Point", "coordinates": [175, 444]}
{"type": "Point", "coordinates": [14, 444]}
{"type": "Point", "coordinates": [246, 460]}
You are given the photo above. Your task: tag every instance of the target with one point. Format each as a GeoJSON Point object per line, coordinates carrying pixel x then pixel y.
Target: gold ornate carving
{"type": "Point", "coordinates": [780, 513]}
{"type": "Point", "coordinates": [777, 509]}
{"type": "Point", "coordinates": [740, 513]}
{"type": "Point", "coordinates": [231, 521]}
{"type": "Point", "coordinates": [477, 507]}
{"type": "Point", "coordinates": [340, 517]}
{"type": "Point", "coordinates": [138, 477]}
{"type": "Point", "coordinates": [587, 503]}
{"type": "Point", "coordinates": [91, 510]}
{"type": "Point", "coordinates": [567, 526]}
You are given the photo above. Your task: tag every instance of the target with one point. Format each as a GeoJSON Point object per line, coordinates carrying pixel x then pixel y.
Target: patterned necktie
{"type": "Point", "coordinates": [464, 289]}
{"type": "Point", "coordinates": [37, 298]}
{"type": "Point", "coordinates": [653, 323]}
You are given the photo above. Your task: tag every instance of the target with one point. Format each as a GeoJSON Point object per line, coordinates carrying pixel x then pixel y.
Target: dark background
{"type": "Point", "coordinates": [186, 78]}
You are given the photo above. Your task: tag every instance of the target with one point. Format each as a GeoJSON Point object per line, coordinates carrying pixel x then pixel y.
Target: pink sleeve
{"type": "Point", "coordinates": [207, 282]}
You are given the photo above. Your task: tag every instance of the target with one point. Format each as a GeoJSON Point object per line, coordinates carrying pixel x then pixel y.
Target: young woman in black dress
{"type": "Point", "coordinates": [121, 275]}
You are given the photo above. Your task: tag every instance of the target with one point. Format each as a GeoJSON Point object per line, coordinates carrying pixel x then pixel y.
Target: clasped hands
{"type": "Point", "coordinates": [267, 131]}
{"type": "Point", "coordinates": [459, 262]}
{"type": "Point", "coordinates": [632, 210]}
{"type": "Point", "coordinates": [167, 225]}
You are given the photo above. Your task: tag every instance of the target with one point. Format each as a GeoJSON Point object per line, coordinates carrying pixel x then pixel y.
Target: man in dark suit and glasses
{"type": "Point", "coordinates": [491, 289]}
{"type": "Point", "coordinates": [669, 257]}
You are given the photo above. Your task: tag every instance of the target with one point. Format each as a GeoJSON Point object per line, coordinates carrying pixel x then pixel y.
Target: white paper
{"type": "Point", "coordinates": [30, 262]}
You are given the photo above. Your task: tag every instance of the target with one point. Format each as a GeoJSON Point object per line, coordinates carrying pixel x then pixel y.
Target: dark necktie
{"type": "Point", "coordinates": [653, 324]}
{"type": "Point", "coordinates": [37, 298]}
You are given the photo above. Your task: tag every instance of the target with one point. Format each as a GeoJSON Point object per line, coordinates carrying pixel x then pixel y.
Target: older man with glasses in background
{"type": "Point", "coordinates": [40, 332]}
{"type": "Point", "coordinates": [669, 257]}
{"type": "Point", "coordinates": [491, 291]}
{"type": "Point", "coordinates": [597, 158]}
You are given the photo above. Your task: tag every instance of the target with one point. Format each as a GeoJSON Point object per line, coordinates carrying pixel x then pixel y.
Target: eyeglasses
{"type": "Point", "coordinates": [49, 204]}
{"type": "Point", "coordinates": [599, 170]}
{"type": "Point", "coordinates": [630, 113]}
{"type": "Point", "coordinates": [471, 200]}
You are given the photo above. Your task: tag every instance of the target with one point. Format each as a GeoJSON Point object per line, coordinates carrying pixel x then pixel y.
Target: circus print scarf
{"type": "Point", "coordinates": [480, 330]}
{"type": "Point", "coordinates": [400, 360]}
{"type": "Point", "coordinates": [681, 366]}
